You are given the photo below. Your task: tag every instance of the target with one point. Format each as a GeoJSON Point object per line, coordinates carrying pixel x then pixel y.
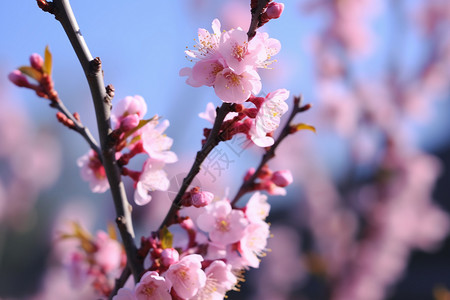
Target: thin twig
{"type": "Point", "coordinates": [78, 127]}
{"type": "Point", "coordinates": [270, 153]}
{"type": "Point", "coordinates": [94, 75]}
{"type": "Point", "coordinates": [212, 141]}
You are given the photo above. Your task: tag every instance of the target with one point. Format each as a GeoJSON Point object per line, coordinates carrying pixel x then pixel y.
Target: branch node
{"type": "Point", "coordinates": [46, 6]}
{"type": "Point", "coordinates": [95, 65]}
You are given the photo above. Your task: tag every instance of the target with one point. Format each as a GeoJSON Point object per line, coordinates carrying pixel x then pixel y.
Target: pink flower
{"type": "Point", "coordinates": [282, 178]}
{"type": "Point", "coordinates": [187, 276]}
{"type": "Point", "coordinates": [109, 252]}
{"type": "Point", "coordinates": [207, 43]}
{"type": "Point", "coordinates": [157, 144]}
{"type": "Point", "coordinates": [257, 208]}
{"type": "Point", "coordinates": [18, 79]}
{"type": "Point", "coordinates": [124, 294]}
{"type": "Point", "coordinates": [239, 54]}
{"type": "Point", "coordinates": [254, 243]}
{"type": "Point", "coordinates": [169, 256]}
{"type": "Point", "coordinates": [274, 10]}
{"type": "Point", "coordinates": [128, 106]}
{"type": "Point", "coordinates": [224, 224]}
{"type": "Point", "coordinates": [237, 88]}
{"type": "Point", "coordinates": [93, 171]}
{"type": "Point", "coordinates": [152, 178]}
{"type": "Point", "coordinates": [36, 61]}
{"type": "Point", "coordinates": [202, 199]}
{"type": "Point", "coordinates": [268, 117]}
{"type": "Point", "coordinates": [152, 286]}
{"type": "Point", "coordinates": [219, 280]}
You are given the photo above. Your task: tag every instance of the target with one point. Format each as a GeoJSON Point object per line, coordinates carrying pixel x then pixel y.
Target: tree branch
{"type": "Point", "coordinates": [257, 7]}
{"type": "Point", "coordinates": [102, 103]}
{"type": "Point", "coordinates": [213, 140]}
{"type": "Point", "coordinates": [78, 127]}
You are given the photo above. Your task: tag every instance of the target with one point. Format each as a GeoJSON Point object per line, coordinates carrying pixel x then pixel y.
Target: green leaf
{"type": "Point", "coordinates": [33, 73]}
{"type": "Point", "coordinates": [47, 67]}
{"type": "Point", "coordinates": [303, 126]}
{"type": "Point", "coordinates": [141, 124]}
{"type": "Point", "coordinates": [166, 238]}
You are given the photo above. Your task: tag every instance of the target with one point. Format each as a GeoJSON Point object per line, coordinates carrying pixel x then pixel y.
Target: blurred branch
{"type": "Point", "coordinates": [247, 185]}
{"type": "Point", "coordinates": [102, 102]}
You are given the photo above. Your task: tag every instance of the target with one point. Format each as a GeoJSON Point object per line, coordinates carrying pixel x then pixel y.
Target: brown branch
{"type": "Point", "coordinates": [247, 185]}
{"type": "Point", "coordinates": [257, 7]}
{"type": "Point", "coordinates": [94, 75]}
{"type": "Point", "coordinates": [213, 140]}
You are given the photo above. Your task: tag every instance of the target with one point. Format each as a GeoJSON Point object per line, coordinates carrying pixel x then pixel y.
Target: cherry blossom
{"type": "Point", "coordinates": [152, 286]}
{"type": "Point", "coordinates": [156, 144]}
{"type": "Point", "coordinates": [257, 208]}
{"type": "Point", "coordinates": [92, 171]}
{"type": "Point", "coordinates": [268, 117]}
{"type": "Point", "coordinates": [254, 243]}
{"type": "Point", "coordinates": [224, 224]}
{"type": "Point", "coordinates": [153, 177]}
{"type": "Point", "coordinates": [219, 280]}
{"type": "Point", "coordinates": [187, 276]}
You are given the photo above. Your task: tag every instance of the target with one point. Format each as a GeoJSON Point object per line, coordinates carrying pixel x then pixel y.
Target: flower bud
{"type": "Point", "coordinates": [202, 199]}
{"type": "Point", "coordinates": [169, 256]}
{"type": "Point", "coordinates": [274, 10]}
{"type": "Point", "coordinates": [36, 61]}
{"type": "Point", "coordinates": [18, 79]}
{"type": "Point", "coordinates": [282, 178]}
{"type": "Point", "coordinates": [129, 122]}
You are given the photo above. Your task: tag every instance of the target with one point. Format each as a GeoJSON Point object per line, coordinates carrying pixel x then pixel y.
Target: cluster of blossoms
{"type": "Point", "coordinates": [203, 255]}
{"type": "Point", "coordinates": [228, 62]}
{"type": "Point", "coordinates": [137, 135]}
{"type": "Point", "coordinates": [97, 261]}
{"type": "Point", "coordinates": [258, 123]}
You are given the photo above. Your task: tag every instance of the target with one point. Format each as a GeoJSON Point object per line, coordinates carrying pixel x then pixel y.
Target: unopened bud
{"type": "Point", "coordinates": [249, 174]}
{"type": "Point", "coordinates": [129, 122]}
{"type": "Point", "coordinates": [274, 10]}
{"type": "Point", "coordinates": [36, 62]}
{"type": "Point", "coordinates": [169, 256]}
{"type": "Point", "coordinates": [202, 199]}
{"type": "Point", "coordinates": [18, 79]}
{"type": "Point", "coordinates": [282, 178]}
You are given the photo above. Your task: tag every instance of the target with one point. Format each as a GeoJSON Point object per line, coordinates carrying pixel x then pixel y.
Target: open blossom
{"type": "Point", "coordinates": [93, 171]}
{"type": "Point", "coordinates": [156, 144]}
{"type": "Point", "coordinates": [153, 177]}
{"type": "Point", "coordinates": [153, 286]}
{"type": "Point", "coordinates": [219, 280]}
{"type": "Point", "coordinates": [109, 254]}
{"type": "Point", "coordinates": [254, 243]}
{"type": "Point", "coordinates": [268, 117]}
{"type": "Point", "coordinates": [187, 276]}
{"type": "Point", "coordinates": [224, 224]}
{"type": "Point", "coordinates": [257, 208]}
{"type": "Point", "coordinates": [228, 62]}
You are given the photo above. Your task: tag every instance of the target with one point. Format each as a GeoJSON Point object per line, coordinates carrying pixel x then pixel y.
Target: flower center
{"type": "Point", "coordinates": [233, 79]}
{"type": "Point", "coordinates": [239, 51]}
{"type": "Point", "coordinates": [223, 225]}
{"type": "Point", "coordinates": [149, 289]}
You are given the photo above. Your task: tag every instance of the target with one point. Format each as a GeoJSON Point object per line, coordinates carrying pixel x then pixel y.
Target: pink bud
{"type": "Point", "coordinates": [169, 256]}
{"type": "Point", "coordinates": [274, 10]}
{"type": "Point", "coordinates": [202, 199]}
{"type": "Point", "coordinates": [282, 178]}
{"type": "Point", "coordinates": [36, 61]}
{"type": "Point", "coordinates": [18, 79]}
{"type": "Point", "coordinates": [129, 122]}
{"type": "Point", "coordinates": [249, 174]}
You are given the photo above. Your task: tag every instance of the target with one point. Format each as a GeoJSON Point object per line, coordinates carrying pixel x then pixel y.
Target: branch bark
{"type": "Point", "coordinates": [102, 102]}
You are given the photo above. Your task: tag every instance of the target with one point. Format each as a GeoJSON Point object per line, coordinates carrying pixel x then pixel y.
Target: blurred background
{"type": "Point", "coordinates": [367, 215]}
